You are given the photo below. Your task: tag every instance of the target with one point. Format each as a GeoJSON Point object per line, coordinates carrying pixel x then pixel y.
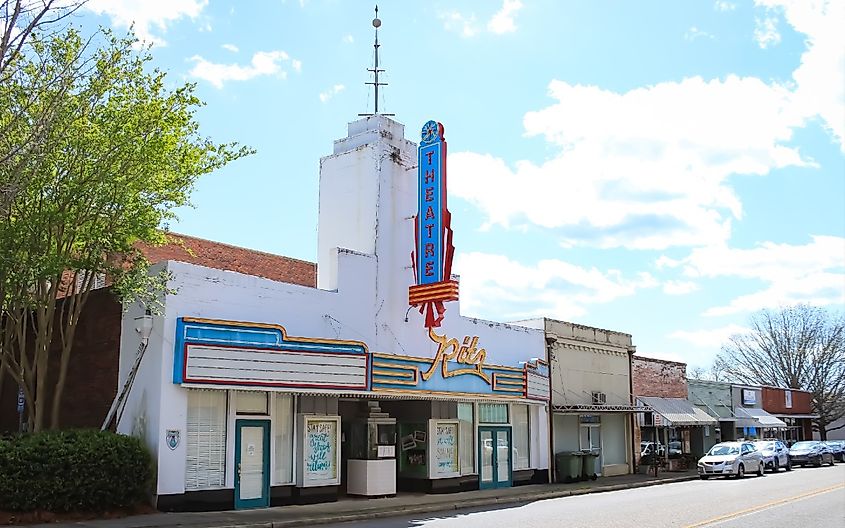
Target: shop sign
{"type": "Point", "coordinates": [320, 441]}
{"type": "Point", "coordinates": [433, 252]}
{"type": "Point", "coordinates": [463, 353]}
{"type": "Point", "coordinates": [749, 397]}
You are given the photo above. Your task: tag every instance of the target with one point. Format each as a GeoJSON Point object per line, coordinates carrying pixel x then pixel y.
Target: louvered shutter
{"type": "Point", "coordinates": [206, 440]}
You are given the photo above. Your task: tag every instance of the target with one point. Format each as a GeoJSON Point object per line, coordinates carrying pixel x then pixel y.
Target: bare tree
{"type": "Point", "coordinates": [798, 347]}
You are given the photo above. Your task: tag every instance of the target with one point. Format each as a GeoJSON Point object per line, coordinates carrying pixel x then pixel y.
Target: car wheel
{"type": "Point", "coordinates": [831, 461]}
{"type": "Point", "coordinates": [761, 469]}
{"type": "Point", "coordinates": [818, 462]}
{"type": "Point", "coordinates": [704, 477]}
{"type": "Point", "coordinates": [740, 471]}
{"type": "Point", "coordinates": [788, 465]}
{"type": "Point", "coordinates": [776, 466]}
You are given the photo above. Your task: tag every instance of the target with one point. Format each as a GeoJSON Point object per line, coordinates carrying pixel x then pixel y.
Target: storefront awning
{"type": "Point", "coordinates": [678, 411]}
{"type": "Point", "coordinates": [752, 417]}
{"type": "Point", "coordinates": [598, 409]}
{"type": "Point", "coordinates": [809, 416]}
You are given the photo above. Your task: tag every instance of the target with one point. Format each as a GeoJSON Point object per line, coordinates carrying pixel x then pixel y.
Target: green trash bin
{"type": "Point", "coordinates": [568, 466]}
{"type": "Point", "coordinates": [588, 465]}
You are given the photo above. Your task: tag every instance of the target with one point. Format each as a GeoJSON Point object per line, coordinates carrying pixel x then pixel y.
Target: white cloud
{"type": "Point", "coordinates": [455, 21]}
{"type": "Point", "coordinates": [820, 78]}
{"type": "Point", "coordinates": [348, 39]}
{"type": "Point", "coordinates": [502, 21]}
{"type": "Point", "coordinates": [331, 92]}
{"type": "Point", "coordinates": [766, 32]}
{"type": "Point", "coordinates": [496, 286]}
{"type": "Point", "coordinates": [230, 47]}
{"type": "Point", "coordinates": [296, 64]}
{"type": "Point", "coordinates": [711, 338]}
{"type": "Point", "coordinates": [813, 273]}
{"type": "Point", "coordinates": [467, 25]}
{"type": "Point", "coordinates": [723, 5]}
{"type": "Point", "coordinates": [263, 63]}
{"type": "Point", "coordinates": [147, 14]}
{"type": "Point", "coordinates": [679, 287]}
{"type": "Point", "coordinates": [694, 33]}
{"type": "Point", "coordinates": [644, 169]}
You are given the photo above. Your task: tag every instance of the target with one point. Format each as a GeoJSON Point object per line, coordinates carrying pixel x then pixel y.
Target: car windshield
{"type": "Point", "coordinates": [764, 445]}
{"type": "Point", "coordinates": [724, 450]}
{"type": "Point", "coordinates": [803, 445]}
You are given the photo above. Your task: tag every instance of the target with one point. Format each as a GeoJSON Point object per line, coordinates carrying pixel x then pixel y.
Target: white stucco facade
{"type": "Point", "coordinates": [367, 203]}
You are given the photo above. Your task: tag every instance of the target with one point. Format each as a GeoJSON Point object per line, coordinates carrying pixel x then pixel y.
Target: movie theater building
{"type": "Point", "coordinates": [253, 392]}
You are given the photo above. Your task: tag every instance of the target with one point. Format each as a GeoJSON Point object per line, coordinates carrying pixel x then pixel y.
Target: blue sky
{"type": "Point", "coordinates": [660, 168]}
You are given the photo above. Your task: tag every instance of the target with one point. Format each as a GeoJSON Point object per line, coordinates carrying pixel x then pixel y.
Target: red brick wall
{"type": "Point", "coordinates": [232, 258]}
{"type": "Point", "coordinates": [92, 374]}
{"type": "Point", "coordinates": [774, 401]}
{"type": "Point", "coordinates": [657, 377]}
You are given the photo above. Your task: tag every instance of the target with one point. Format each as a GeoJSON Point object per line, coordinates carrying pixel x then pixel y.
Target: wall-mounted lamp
{"type": "Point", "coordinates": [144, 326]}
{"type": "Point", "coordinates": [407, 312]}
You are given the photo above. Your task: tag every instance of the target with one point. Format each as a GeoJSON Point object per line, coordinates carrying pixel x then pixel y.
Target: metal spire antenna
{"type": "Point", "coordinates": [375, 69]}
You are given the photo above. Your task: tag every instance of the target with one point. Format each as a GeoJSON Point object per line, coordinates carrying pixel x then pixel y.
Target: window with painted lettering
{"type": "Point", "coordinates": [283, 439]}
{"type": "Point", "coordinates": [521, 436]}
{"type": "Point", "coordinates": [205, 440]}
{"type": "Point", "coordinates": [466, 438]}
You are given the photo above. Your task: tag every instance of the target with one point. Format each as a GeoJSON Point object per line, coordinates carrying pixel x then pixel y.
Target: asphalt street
{"type": "Point", "coordinates": [804, 497]}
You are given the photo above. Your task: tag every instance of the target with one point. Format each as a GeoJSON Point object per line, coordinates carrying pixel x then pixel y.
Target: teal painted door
{"type": "Point", "coordinates": [252, 464]}
{"type": "Point", "coordinates": [494, 457]}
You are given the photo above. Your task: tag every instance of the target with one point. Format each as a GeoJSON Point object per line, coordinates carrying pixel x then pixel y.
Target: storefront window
{"type": "Point", "coordinates": [521, 436]}
{"type": "Point", "coordinates": [467, 435]}
{"type": "Point", "coordinates": [283, 439]}
{"type": "Point", "coordinates": [493, 413]}
{"type": "Point", "coordinates": [205, 461]}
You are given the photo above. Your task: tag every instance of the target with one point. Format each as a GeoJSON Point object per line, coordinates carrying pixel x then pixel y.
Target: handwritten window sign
{"type": "Point", "coordinates": [444, 448]}
{"type": "Point", "coordinates": [320, 449]}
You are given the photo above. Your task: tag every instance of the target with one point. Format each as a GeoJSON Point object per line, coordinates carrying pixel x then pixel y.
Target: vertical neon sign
{"type": "Point", "coordinates": [432, 257]}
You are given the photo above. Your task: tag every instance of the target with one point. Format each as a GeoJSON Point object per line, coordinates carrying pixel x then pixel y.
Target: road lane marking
{"type": "Point", "coordinates": [767, 505]}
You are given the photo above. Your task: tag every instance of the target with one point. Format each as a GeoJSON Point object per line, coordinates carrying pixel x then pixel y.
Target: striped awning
{"type": "Point", "coordinates": [677, 411]}
{"type": "Point", "coordinates": [753, 417]}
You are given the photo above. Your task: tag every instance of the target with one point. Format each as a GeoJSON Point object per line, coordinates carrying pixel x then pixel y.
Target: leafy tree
{"type": "Point", "coordinates": [123, 151]}
{"type": "Point", "coordinates": [20, 132]}
{"type": "Point", "coordinates": [799, 347]}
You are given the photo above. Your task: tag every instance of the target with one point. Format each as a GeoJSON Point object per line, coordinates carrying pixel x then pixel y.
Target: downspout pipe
{"type": "Point", "coordinates": [631, 351]}
{"type": "Point", "coordinates": [550, 358]}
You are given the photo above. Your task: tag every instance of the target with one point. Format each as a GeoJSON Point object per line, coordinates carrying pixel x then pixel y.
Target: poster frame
{"type": "Point", "coordinates": [432, 449]}
{"type": "Point", "coordinates": [303, 421]}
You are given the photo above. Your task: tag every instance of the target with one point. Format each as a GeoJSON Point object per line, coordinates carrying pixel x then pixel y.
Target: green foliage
{"type": "Point", "coordinates": [97, 150]}
{"type": "Point", "coordinates": [82, 470]}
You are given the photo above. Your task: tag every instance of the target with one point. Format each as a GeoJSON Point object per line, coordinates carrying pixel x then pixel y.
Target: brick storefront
{"type": "Point", "coordinates": [92, 373]}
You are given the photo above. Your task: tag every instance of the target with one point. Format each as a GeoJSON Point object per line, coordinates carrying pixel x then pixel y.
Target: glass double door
{"type": "Point", "coordinates": [494, 457]}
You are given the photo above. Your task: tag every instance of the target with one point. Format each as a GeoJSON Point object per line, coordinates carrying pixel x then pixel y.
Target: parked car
{"type": "Point", "coordinates": [775, 454]}
{"type": "Point", "coordinates": [837, 449]}
{"type": "Point", "coordinates": [648, 448]}
{"type": "Point", "coordinates": [810, 452]}
{"type": "Point", "coordinates": [731, 458]}
{"type": "Point", "coordinates": [675, 448]}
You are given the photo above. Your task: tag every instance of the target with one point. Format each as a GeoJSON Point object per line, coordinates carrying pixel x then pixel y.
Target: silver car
{"type": "Point", "coordinates": [775, 454]}
{"type": "Point", "coordinates": [731, 458]}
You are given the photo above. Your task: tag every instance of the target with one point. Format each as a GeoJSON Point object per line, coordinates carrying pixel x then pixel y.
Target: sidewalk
{"type": "Point", "coordinates": [360, 509]}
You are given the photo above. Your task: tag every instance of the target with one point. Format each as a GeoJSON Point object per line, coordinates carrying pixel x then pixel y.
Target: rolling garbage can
{"type": "Point", "coordinates": [588, 465]}
{"type": "Point", "coordinates": [568, 466]}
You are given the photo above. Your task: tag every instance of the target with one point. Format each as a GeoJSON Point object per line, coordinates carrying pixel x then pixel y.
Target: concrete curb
{"type": "Point", "coordinates": [381, 513]}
